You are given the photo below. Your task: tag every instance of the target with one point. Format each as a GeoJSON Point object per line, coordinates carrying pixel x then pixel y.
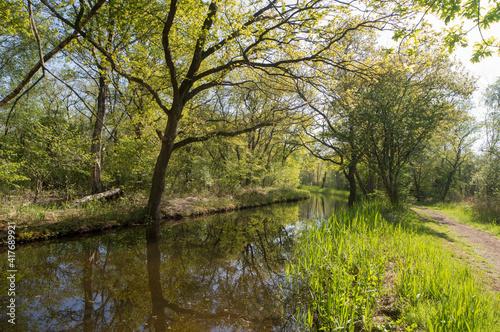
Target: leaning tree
{"type": "Point", "coordinates": [197, 47]}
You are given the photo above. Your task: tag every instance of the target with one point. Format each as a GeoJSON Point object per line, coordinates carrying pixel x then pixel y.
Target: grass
{"type": "Point", "coordinates": [40, 222]}
{"type": "Point", "coordinates": [271, 196]}
{"type": "Point", "coordinates": [373, 269]}
{"type": "Point", "coordinates": [467, 213]}
{"type": "Point", "coordinates": [45, 221]}
{"type": "Point", "coordinates": [326, 191]}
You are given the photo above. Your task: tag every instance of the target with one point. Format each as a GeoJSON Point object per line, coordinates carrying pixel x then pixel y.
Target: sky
{"type": "Point", "coordinates": [487, 71]}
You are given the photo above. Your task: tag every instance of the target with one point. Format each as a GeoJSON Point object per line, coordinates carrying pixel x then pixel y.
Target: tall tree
{"type": "Point", "coordinates": [332, 96]}
{"type": "Point", "coordinates": [333, 131]}
{"type": "Point", "coordinates": [202, 43]}
{"type": "Point", "coordinates": [456, 149]}
{"type": "Point", "coordinates": [487, 179]}
{"type": "Point", "coordinates": [409, 99]}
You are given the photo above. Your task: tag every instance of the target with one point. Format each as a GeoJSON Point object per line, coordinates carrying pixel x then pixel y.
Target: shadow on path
{"type": "Point", "coordinates": [485, 245]}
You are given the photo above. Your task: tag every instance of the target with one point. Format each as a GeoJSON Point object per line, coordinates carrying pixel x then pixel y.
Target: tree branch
{"type": "Point", "coordinates": [50, 54]}
{"type": "Point", "coordinates": [190, 140]}
{"type": "Point", "coordinates": [166, 47]}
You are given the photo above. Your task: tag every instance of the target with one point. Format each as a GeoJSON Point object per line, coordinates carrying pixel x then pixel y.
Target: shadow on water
{"type": "Point", "coordinates": [218, 273]}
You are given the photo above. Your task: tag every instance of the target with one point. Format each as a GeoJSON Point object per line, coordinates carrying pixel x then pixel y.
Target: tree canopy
{"type": "Point", "coordinates": [221, 94]}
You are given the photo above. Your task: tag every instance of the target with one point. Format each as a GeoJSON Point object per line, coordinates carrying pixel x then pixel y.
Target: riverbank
{"type": "Point", "coordinates": [36, 222]}
{"type": "Point", "coordinates": [387, 270]}
{"type": "Point", "coordinates": [344, 194]}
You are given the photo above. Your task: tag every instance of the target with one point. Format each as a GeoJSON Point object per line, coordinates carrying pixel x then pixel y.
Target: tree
{"type": "Point", "coordinates": [202, 44]}
{"type": "Point", "coordinates": [386, 114]}
{"type": "Point", "coordinates": [332, 98]}
{"type": "Point", "coordinates": [481, 17]}
{"type": "Point", "coordinates": [333, 132]}
{"type": "Point", "coordinates": [403, 106]}
{"type": "Point", "coordinates": [81, 15]}
{"type": "Point", "coordinates": [44, 139]}
{"type": "Point", "coordinates": [456, 149]}
{"type": "Point", "coordinates": [487, 178]}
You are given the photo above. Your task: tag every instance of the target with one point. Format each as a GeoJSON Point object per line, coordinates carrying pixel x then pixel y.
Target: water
{"type": "Point", "coordinates": [218, 273]}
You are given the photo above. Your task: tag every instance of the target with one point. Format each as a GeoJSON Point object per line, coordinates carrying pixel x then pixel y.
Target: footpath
{"type": "Point", "coordinates": [483, 244]}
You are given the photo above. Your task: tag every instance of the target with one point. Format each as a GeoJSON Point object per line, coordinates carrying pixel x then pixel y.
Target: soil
{"type": "Point", "coordinates": [484, 245]}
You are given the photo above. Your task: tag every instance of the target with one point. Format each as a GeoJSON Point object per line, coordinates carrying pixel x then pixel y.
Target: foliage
{"type": "Point", "coordinates": [444, 169]}
{"type": "Point", "coordinates": [239, 89]}
{"type": "Point", "coordinates": [471, 11]}
{"type": "Point", "coordinates": [402, 108]}
{"type": "Point", "coordinates": [45, 145]}
{"type": "Point", "coordinates": [487, 177]}
{"type": "Point", "coordinates": [10, 171]}
{"type": "Point", "coordinates": [325, 191]}
{"type": "Point", "coordinates": [384, 116]}
{"type": "Point", "coordinates": [128, 164]}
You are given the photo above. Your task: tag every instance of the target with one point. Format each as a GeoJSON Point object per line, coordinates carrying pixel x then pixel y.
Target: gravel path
{"type": "Point", "coordinates": [484, 244]}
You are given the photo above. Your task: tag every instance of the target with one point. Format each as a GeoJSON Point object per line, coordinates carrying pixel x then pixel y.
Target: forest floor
{"type": "Point", "coordinates": [477, 247]}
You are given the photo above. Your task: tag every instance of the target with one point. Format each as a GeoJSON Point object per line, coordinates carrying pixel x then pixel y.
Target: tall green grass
{"type": "Point", "coordinates": [347, 265]}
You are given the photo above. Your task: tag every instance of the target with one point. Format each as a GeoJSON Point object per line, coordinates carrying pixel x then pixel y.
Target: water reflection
{"type": "Point", "coordinates": [319, 207]}
{"type": "Point", "coordinates": [221, 273]}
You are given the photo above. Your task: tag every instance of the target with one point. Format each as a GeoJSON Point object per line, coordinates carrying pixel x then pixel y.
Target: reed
{"type": "Point", "coordinates": [346, 267]}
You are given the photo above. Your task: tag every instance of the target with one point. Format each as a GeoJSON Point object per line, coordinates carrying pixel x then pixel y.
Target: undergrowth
{"type": "Point", "coordinates": [350, 268]}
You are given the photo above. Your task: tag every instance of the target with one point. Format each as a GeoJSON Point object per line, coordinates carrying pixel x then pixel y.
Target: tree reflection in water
{"type": "Point", "coordinates": [224, 272]}
{"type": "Point", "coordinates": [219, 273]}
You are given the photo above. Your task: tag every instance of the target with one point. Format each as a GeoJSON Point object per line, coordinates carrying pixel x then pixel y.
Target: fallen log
{"type": "Point", "coordinates": [113, 193]}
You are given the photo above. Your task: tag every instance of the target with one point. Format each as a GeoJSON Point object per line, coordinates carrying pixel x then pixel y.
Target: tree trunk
{"type": "Point", "coordinates": [394, 196]}
{"type": "Point", "coordinates": [158, 183]}
{"type": "Point", "coordinates": [450, 176]}
{"type": "Point", "coordinates": [351, 179]}
{"type": "Point", "coordinates": [96, 148]}
{"type": "Point", "coordinates": [360, 183]}
{"type": "Point", "coordinates": [38, 188]}
{"type": "Point", "coordinates": [88, 289]}
{"type": "Point", "coordinates": [153, 255]}
{"type": "Point", "coordinates": [391, 187]}
{"type": "Point", "coordinates": [113, 193]}
{"type": "Point", "coordinates": [416, 182]}
{"type": "Point", "coordinates": [324, 180]}
{"type": "Point", "coordinates": [371, 182]}
{"type": "Point", "coordinates": [392, 190]}
{"type": "Point", "coordinates": [449, 180]}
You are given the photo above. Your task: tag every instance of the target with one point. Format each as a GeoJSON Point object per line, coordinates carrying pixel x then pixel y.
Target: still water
{"type": "Point", "coordinates": [217, 273]}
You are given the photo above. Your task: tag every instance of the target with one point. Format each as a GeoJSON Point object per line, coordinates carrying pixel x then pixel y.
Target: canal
{"type": "Point", "coordinates": [218, 273]}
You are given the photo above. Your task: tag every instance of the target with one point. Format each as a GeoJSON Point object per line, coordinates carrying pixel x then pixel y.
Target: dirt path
{"type": "Point", "coordinates": [484, 245]}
